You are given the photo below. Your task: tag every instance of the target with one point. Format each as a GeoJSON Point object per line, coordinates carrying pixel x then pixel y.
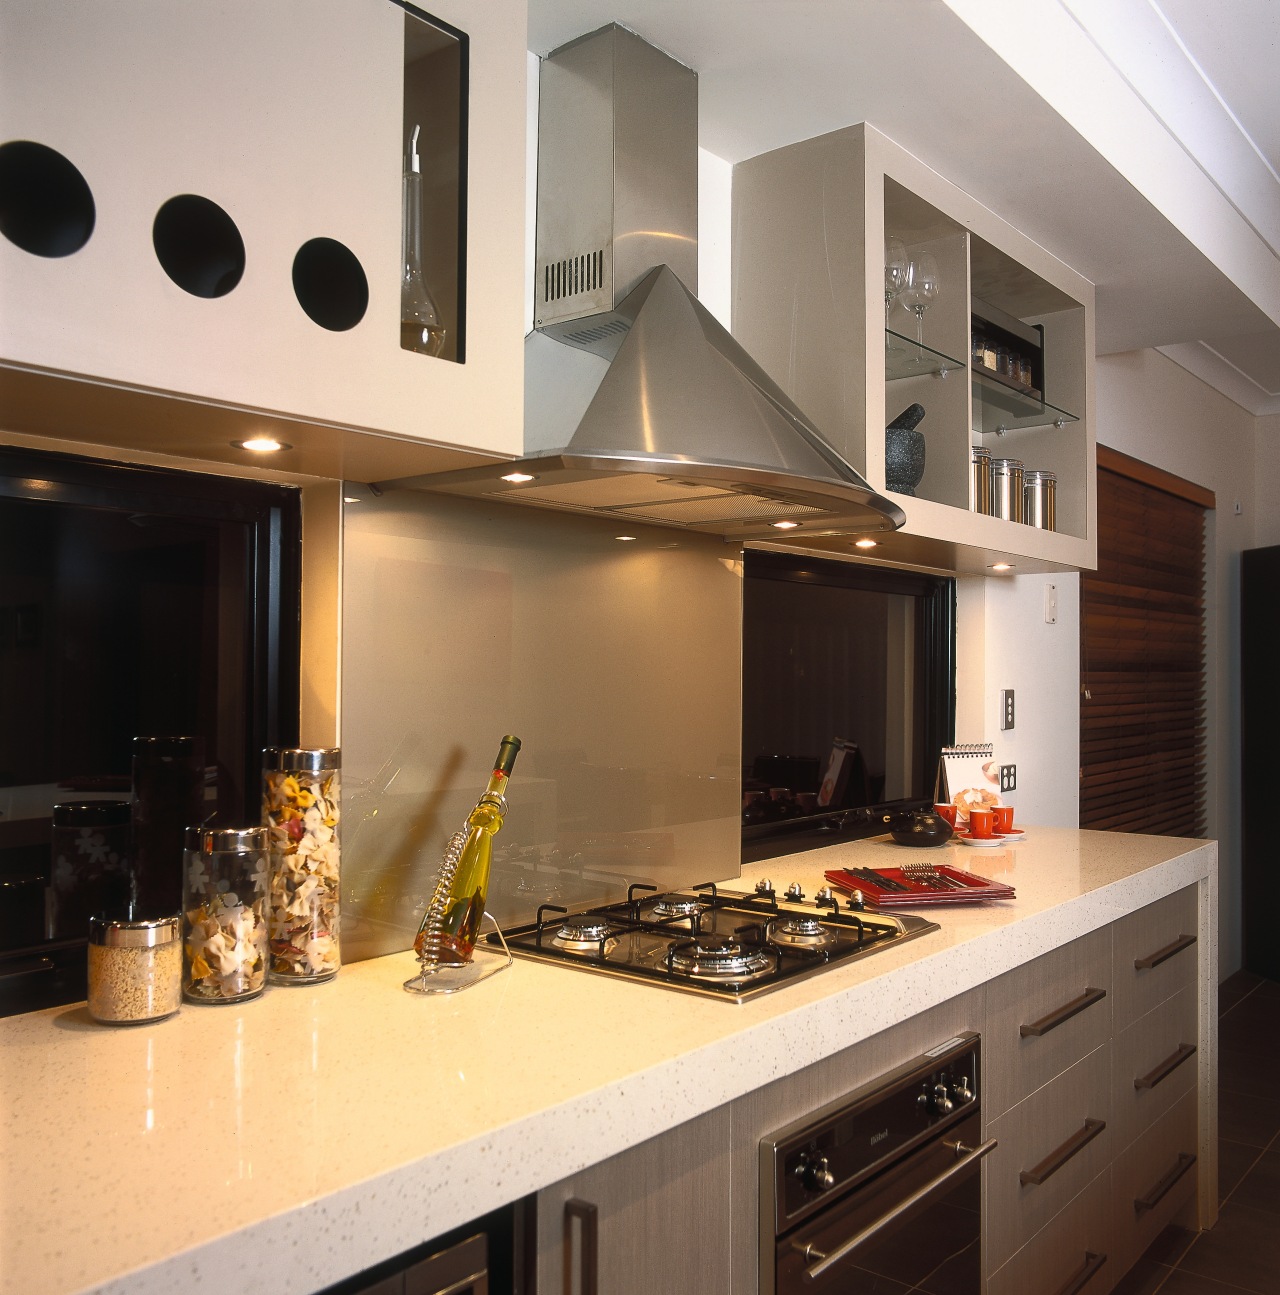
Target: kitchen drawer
{"type": "Point", "coordinates": [1071, 1255]}
{"type": "Point", "coordinates": [1154, 1178]}
{"type": "Point", "coordinates": [1051, 1146]}
{"type": "Point", "coordinates": [1154, 1064]}
{"type": "Point", "coordinates": [1043, 1018]}
{"type": "Point", "coordinates": [1155, 955]}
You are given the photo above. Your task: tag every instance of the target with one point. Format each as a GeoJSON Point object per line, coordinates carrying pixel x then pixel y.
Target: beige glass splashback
{"type": "Point", "coordinates": [617, 663]}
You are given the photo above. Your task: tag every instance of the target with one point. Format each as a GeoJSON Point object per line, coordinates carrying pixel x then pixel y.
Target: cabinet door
{"type": "Point", "coordinates": [654, 1218]}
{"type": "Point", "coordinates": [289, 118]}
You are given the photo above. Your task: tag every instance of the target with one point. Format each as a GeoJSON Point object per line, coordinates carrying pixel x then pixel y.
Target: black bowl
{"type": "Point", "coordinates": [921, 828]}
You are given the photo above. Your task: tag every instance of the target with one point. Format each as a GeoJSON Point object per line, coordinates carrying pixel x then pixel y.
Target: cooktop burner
{"type": "Point", "coordinates": [584, 934]}
{"type": "Point", "coordinates": [710, 941]}
{"type": "Point", "coordinates": [718, 958]}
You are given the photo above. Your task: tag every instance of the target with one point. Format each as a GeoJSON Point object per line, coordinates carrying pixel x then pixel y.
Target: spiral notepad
{"type": "Point", "coordinates": [968, 775]}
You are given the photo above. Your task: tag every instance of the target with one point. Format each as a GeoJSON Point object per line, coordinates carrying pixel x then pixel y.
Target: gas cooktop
{"type": "Point", "coordinates": [712, 941]}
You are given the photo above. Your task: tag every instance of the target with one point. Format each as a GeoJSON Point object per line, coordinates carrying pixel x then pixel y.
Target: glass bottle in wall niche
{"type": "Point", "coordinates": [421, 328]}
{"type": "Point", "coordinates": [433, 149]}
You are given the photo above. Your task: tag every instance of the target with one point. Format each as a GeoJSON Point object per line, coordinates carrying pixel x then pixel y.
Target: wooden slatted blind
{"type": "Point", "coordinates": [1142, 686]}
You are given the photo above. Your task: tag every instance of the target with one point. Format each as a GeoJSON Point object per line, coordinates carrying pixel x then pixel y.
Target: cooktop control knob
{"type": "Point", "coordinates": [764, 887]}
{"type": "Point", "coordinates": [794, 891]}
{"type": "Point", "coordinates": [825, 899]}
{"type": "Point", "coordinates": [816, 1174]}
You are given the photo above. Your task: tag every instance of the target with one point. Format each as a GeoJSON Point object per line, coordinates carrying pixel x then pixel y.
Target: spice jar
{"type": "Point", "coordinates": [300, 808]}
{"type": "Point", "coordinates": [225, 917]}
{"type": "Point", "coordinates": [1039, 498]}
{"type": "Point", "coordinates": [135, 970]}
{"type": "Point", "coordinates": [1006, 489]}
{"type": "Point", "coordinates": [980, 497]}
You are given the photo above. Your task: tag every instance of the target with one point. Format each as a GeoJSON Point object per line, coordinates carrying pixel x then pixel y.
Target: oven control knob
{"type": "Point", "coordinates": [816, 1175]}
{"type": "Point", "coordinates": [942, 1103]}
{"type": "Point", "coordinates": [960, 1090]}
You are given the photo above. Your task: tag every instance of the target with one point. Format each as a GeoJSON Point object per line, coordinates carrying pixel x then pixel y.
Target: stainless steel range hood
{"type": "Point", "coordinates": [638, 403]}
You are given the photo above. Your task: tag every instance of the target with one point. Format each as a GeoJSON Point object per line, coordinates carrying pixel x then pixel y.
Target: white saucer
{"type": "Point", "coordinates": [983, 842]}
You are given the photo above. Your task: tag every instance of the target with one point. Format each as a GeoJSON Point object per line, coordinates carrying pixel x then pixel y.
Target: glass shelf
{"type": "Point", "coordinates": [904, 357]}
{"type": "Point", "coordinates": [999, 407]}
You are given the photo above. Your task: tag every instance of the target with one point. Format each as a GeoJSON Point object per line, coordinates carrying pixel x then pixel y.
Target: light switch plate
{"type": "Point", "coordinates": [1051, 604]}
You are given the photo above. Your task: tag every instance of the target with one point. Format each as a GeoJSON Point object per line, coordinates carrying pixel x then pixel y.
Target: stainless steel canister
{"type": "Point", "coordinates": [1039, 496]}
{"type": "Point", "coordinates": [980, 481]}
{"type": "Point", "coordinates": [1006, 489]}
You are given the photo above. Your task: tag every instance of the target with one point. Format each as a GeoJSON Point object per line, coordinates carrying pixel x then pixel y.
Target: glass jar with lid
{"type": "Point", "coordinates": [135, 969]}
{"type": "Point", "coordinates": [225, 915]}
{"type": "Point", "coordinates": [301, 791]}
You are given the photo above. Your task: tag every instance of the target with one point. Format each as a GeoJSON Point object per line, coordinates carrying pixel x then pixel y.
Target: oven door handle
{"type": "Point", "coordinates": [967, 1156]}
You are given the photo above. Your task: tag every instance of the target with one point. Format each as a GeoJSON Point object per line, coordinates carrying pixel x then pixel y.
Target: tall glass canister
{"type": "Point", "coordinates": [225, 915]}
{"type": "Point", "coordinates": [301, 791]}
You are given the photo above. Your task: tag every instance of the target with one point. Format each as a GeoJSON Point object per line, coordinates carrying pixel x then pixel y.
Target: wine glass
{"type": "Point", "coordinates": [895, 271]}
{"type": "Point", "coordinates": [922, 289]}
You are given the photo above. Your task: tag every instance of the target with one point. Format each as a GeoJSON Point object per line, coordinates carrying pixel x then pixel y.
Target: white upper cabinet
{"type": "Point", "coordinates": [997, 353]}
{"type": "Point", "coordinates": [244, 246]}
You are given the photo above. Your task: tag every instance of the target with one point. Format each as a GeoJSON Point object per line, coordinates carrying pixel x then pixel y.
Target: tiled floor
{"type": "Point", "coordinates": [1242, 1252]}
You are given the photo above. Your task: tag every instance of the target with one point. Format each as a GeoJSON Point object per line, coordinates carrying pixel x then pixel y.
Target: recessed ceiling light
{"type": "Point", "coordinates": [864, 544]}
{"type": "Point", "coordinates": [262, 445]}
{"type": "Point", "coordinates": [785, 526]}
{"type": "Point", "coordinates": [626, 539]}
{"type": "Point", "coordinates": [517, 477]}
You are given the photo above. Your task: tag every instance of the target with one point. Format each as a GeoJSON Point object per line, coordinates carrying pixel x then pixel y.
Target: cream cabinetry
{"type": "Point", "coordinates": [654, 1218]}
{"type": "Point", "coordinates": [1093, 1163]}
{"type": "Point", "coordinates": [811, 222]}
{"type": "Point", "coordinates": [290, 118]}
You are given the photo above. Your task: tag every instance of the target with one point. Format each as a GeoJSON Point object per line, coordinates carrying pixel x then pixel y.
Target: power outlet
{"type": "Point", "coordinates": [1006, 709]}
{"type": "Point", "coordinates": [1008, 777]}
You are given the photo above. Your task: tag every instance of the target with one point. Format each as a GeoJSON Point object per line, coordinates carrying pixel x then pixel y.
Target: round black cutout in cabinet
{"type": "Point", "coordinates": [46, 206]}
{"type": "Point", "coordinates": [198, 245]}
{"type": "Point", "coordinates": [330, 284]}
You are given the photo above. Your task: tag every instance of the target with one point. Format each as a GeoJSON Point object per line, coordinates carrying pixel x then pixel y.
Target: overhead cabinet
{"type": "Point", "coordinates": [222, 202]}
{"type": "Point", "coordinates": [982, 340]}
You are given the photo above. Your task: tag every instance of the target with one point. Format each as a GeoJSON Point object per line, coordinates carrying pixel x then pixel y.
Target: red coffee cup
{"type": "Point", "coordinates": [946, 811]}
{"type": "Point", "coordinates": [1002, 818]}
{"type": "Point", "coordinates": [981, 827]}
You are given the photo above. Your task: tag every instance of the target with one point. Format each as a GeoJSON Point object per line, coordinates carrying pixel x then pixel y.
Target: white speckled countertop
{"type": "Point", "coordinates": [290, 1142]}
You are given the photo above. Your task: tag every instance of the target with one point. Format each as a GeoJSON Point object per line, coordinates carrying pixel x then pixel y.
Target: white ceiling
{"type": "Point", "coordinates": [1138, 141]}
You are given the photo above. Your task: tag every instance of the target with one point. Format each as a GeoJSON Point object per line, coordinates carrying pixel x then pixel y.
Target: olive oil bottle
{"type": "Point", "coordinates": [452, 920]}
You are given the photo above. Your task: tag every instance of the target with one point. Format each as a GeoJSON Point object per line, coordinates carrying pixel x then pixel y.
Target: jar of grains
{"type": "Point", "coordinates": [225, 911]}
{"type": "Point", "coordinates": [300, 807]}
{"type": "Point", "coordinates": [135, 970]}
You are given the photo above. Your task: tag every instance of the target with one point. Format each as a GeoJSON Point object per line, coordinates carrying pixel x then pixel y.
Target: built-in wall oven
{"type": "Point", "coordinates": [879, 1192]}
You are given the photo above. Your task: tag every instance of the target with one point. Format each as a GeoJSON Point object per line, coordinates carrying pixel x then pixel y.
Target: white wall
{"type": "Point", "coordinates": [1004, 642]}
{"type": "Point", "coordinates": [1154, 410]}
{"type": "Point", "coordinates": [1266, 482]}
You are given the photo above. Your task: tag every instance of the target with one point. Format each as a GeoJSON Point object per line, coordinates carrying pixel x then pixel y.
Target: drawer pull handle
{"type": "Point", "coordinates": [1056, 1159]}
{"type": "Point", "coordinates": [1062, 1014]}
{"type": "Point", "coordinates": [1163, 955]}
{"type": "Point", "coordinates": [589, 1272]}
{"type": "Point", "coordinates": [1165, 1185]}
{"type": "Point", "coordinates": [1167, 1066]}
{"type": "Point", "coordinates": [1080, 1280]}
{"type": "Point", "coordinates": [965, 1157]}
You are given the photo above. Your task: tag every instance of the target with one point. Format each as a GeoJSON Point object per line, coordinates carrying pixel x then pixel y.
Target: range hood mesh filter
{"type": "Point", "coordinates": [626, 490]}
{"type": "Point", "coordinates": [731, 507]}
